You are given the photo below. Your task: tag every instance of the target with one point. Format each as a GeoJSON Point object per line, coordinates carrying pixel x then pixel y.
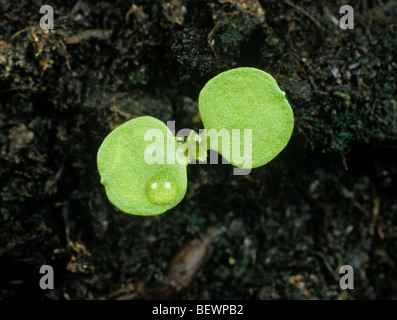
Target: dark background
{"type": "Point", "coordinates": [282, 232]}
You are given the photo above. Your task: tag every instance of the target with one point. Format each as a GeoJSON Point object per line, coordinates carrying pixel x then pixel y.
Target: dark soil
{"type": "Point", "coordinates": [283, 232]}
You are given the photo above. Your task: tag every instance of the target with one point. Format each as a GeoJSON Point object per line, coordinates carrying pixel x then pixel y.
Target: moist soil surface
{"type": "Point", "coordinates": [281, 232]}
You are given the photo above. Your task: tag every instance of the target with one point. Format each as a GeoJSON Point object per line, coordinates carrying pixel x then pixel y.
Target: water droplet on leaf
{"type": "Point", "coordinates": [161, 189]}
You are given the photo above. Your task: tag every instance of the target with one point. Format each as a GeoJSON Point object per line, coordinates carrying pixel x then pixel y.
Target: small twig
{"type": "Point", "coordinates": [209, 37]}
{"type": "Point", "coordinates": [298, 8]}
{"type": "Point", "coordinates": [375, 214]}
{"type": "Point", "coordinates": [344, 162]}
{"type": "Point", "coordinates": [279, 66]}
{"type": "Point", "coordinates": [19, 32]}
{"type": "Point", "coordinates": [325, 262]}
{"type": "Point", "coordinates": [291, 55]}
{"type": "Point", "coordinates": [361, 208]}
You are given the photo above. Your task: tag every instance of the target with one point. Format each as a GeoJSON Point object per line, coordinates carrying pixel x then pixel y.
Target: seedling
{"type": "Point", "coordinates": [142, 177]}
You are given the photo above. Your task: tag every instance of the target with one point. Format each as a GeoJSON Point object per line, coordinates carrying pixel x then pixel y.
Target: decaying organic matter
{"type": "Point", "coordinates": [182, 270]}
